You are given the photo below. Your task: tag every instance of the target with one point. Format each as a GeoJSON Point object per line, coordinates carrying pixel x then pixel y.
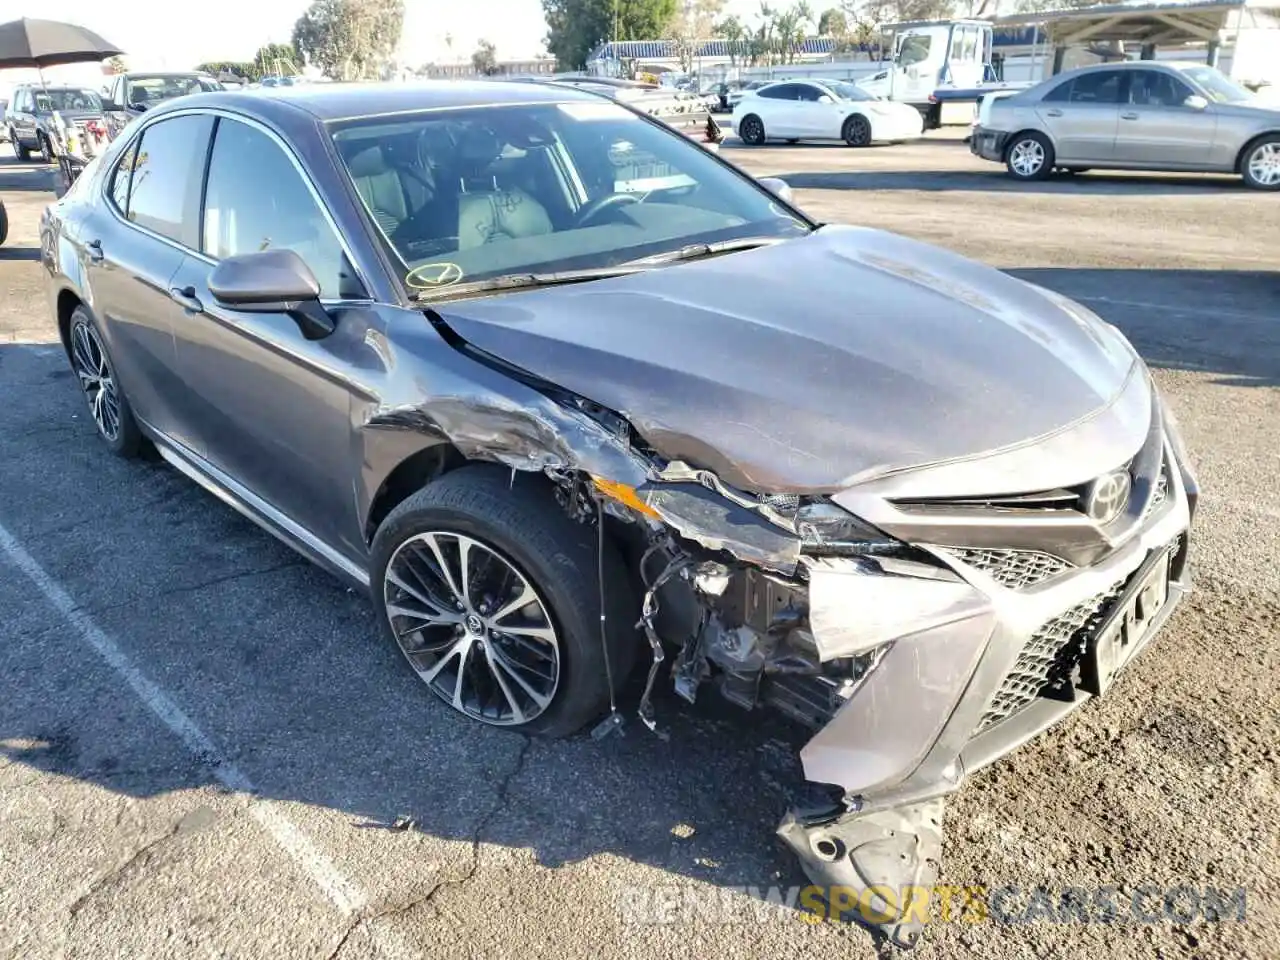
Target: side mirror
{"type": "Point", "coordinates": [1195, 102]}
{"type": "Point", "coordinates": [825, 99]}
{"type": "Point", "coordinates": [778, 187]}
{"type": "Point", "coordinates": [273, 281]}
{"type": "Point", "coordinates": [110, 106]}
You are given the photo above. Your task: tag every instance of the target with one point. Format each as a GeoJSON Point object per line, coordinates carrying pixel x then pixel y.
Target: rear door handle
{"type": "Point", "coordinates": [186, 296]}
{"type": "Point", "coordinates": [1129, 116]}
{"type": "Point", "coordinates": [1053, 113]}
{"type": "Point", "coordinates": [95, 250]}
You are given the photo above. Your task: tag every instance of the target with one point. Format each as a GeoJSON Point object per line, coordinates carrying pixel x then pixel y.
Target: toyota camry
{"type": "Point", "coordinates": [572, 397]}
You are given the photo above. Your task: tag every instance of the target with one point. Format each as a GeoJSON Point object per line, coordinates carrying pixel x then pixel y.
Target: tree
{"type": "Point", "coordinates": [691, 24]}
{"type": "Point", "coordinates": [833, 23]}
{"type": "Point", "coordinates": [116, 65]}
{"type": "Point", "coordinates": [576, 27]}
{"type": "Point", "coordinates": [270, 55]}
{"type": "Point", "coordinates": [732, 29]}
{"type": "Point", "coordinates": [238, 68]}
{"type": "Point", "coordinates": [485, 59]}
{"type": "Point", "coordinates": [349, 39]}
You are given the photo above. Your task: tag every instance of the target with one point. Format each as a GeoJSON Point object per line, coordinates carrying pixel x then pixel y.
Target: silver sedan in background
{"type": "Point", "coordinates": [1134, 116]}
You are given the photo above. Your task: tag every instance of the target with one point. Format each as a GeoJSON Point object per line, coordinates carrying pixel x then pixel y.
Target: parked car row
{"type": "Point", "coordinates": [794, 110]}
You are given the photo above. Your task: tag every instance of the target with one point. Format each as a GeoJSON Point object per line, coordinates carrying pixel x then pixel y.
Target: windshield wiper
{"type": "Point", "coordinates": [521, 281]}
{"type": "Point", "coordinates": [696, 251]}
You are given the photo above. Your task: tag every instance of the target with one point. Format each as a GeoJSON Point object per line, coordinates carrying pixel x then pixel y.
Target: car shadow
{"type": "Point", "coordinates": [287, 670]}
{"type": "Point", "coordinates": [19, 253]}
{"type": "Point", "coordinates": [997, 181]}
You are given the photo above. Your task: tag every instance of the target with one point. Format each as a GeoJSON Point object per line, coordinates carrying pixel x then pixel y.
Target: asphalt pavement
{"type": "Point", "coordinates": [207, 750]}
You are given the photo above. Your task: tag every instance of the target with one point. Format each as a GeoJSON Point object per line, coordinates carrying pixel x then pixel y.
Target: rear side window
{"type": "Point", "coordinates": [257, 200]}
{"type": "Point", "coordinates": [120, 179]}
{"type": "Point", "coordinates": [164, 191]}
{"type": "Point", "coordinates": [783, 91]}
{"type": "Point", "coordinates": [1102, 87]}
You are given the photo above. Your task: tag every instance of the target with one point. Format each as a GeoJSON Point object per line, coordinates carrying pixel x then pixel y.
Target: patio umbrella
{"type": "Point", "coordinates": [49, 43]}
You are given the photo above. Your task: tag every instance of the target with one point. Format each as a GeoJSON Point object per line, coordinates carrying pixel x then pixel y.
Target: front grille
{"type": "Point", "coordinates": [1015, 569]}
{"type": "Point", "coordinates": [1047, 664]}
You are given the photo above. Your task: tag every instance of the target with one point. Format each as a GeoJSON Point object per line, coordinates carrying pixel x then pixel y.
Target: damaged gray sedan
{"type": "Point", "coordinates": [574, 398]}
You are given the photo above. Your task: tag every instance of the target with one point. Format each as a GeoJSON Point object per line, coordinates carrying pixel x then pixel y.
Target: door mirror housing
{"type": "Point", "coordinates": [825, 99]}
{"type": "Point", "coordinates": [778, 187]}
{"type": "Point", "coordinates": [1195, 102]}
{"type": "Point", "coordinates": [272, 281]}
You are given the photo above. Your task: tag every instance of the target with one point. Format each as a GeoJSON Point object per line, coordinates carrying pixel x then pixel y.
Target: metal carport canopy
{"type": "Point", "coordinates": [1140, 22]}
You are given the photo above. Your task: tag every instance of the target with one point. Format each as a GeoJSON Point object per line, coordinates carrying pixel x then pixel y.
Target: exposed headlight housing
{"type": "Point", "coordinates": [826, 526]}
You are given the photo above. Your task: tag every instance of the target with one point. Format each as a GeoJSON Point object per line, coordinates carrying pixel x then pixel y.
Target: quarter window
{"type": "Point", "coordinates": [164, 191]}
{"type": "Point", "coordinates": [120, 179]}
{"type": "Point", "coordinates": [257, 200]}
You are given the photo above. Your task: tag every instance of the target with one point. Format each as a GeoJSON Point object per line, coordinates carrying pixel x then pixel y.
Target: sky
{"type": "Point", "coordinates": [177, 34]}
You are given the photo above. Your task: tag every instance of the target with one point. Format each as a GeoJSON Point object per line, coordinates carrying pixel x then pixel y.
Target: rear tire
{"type": "Point", "coordinates": [516, 519]}
{"type": "Point", "coordinates": [1260, 164]}
{"type": "Point", "coordinates": [1029, 156]}
{"type": "Point", "coordinates": [751, 130]}
{"type": "Point", "coordinates": [108, 406]}
{"type": "Point", "coordinates": [19, 151]}
{"type": "Point", "coordinates": [856, 131]}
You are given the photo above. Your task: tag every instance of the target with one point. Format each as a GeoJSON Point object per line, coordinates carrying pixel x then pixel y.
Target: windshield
{"type": "Point", "coordinates": [1216, 85]}
{"type": "Point", "coordinates": [48, 101]}
{"type": "Point", "coordinates": [155, 89]}
{"type": "Point", "coordinates": [847, 91]}
{"type": "Point", "coordinates": [470, 194]}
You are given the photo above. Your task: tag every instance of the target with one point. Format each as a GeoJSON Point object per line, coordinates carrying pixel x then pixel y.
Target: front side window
{"type": "Point", "coordinates": [1155, 88]}
{"type": "Point", "coordinates": [478, 193]}
{"type": "Point", "coordinates": [257, 200]}
{"type": "Point", "coordinates": [914, 49]}
{"type": "Point", "coordinates": [145, 91]}
{"type": "Point", "coordinates": [1103, 86]}
{"type": "Point", "coordinates": [164, 192]}
{"type": "Point", "coordinates": [843, 90]}
{"type": "Point", "coordinates": [809, 93]}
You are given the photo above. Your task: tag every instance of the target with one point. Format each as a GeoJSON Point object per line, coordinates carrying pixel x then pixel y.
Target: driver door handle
{"type": "Point", "coordinates": [1053, 113]}
{"type": "Point", "coordinates": [94, 247]}
{"type": "Point", "coordinates": [186, 296]}
{"type": "Point", "coordinates": [1129, 115]}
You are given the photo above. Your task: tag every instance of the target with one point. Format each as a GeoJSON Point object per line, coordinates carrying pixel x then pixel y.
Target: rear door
{"type": "Point", "coordinates": [1156, 126]}
{"type": "Point", "coordinates": [777, 108]}
{"type": "Point", "coordinates": [1082, 115]}
{"type": "Point", "coordinates": [134, 246]}
{"type": "Point", "coordinates": [273, 409]}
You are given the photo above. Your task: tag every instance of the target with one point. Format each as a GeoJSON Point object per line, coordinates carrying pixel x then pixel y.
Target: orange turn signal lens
{"type": "Point", "coordinates": [625, 495]}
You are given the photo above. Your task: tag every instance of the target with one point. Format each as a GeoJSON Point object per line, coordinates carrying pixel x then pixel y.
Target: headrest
{"type": "Point", "coordinates": [478, 148]}
{"type": "Point", "coordinates": [367, 162]}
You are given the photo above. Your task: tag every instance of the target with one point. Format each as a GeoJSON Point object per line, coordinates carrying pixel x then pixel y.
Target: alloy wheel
{"type": "Point", "coordinates": [1027, 157]}
{"type": "Point", "coordinates": [752, 130]}
{"type": "Point", "coordinates": [472, 627]}
{"type": "Point", "coordinates": [1264, 164]}
{"type": "Point", "coordinates": [89, 361]}
{"type": "Point", "coordinates": [858, 132]}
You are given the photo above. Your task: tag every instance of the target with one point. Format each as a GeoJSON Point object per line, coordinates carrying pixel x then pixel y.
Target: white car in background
{"type": "Point", "coordinates": [795, 110]}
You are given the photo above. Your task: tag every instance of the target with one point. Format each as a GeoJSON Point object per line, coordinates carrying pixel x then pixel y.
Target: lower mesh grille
{"type": "Point", "coordinates": [1014, 569]}
{"type": "Point", "coordinates": [1047, 663]}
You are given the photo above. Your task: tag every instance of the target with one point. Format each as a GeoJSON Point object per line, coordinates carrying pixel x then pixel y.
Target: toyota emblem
{"type": "Point", "coordinates": [1107, 496]}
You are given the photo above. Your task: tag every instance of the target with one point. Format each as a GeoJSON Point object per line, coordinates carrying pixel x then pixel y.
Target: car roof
{"type": "Point", "coordinates": [340, 101]}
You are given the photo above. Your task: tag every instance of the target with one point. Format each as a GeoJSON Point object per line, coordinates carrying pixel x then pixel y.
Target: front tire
{"type": "Point", "coordinates": [108, 405]}
{"type": "Point", "coordinates": [492, 594]}
{"type": "Point", "coordinates": [19, 151]}
{"type": "Point", "coordinates": [751, 130]}
{"type": "Point", "coordinates": [45, 148]}
{"type": "Point", "coordinates": [1029, 157]}
{"type": "Point", "coordinates": [856, 131]}
{"type": "Point", "coordinates": [1260, 165]}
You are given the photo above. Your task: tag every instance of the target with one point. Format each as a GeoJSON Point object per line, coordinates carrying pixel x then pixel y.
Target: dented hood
{"type": "Point", "coordinates": [810, 364]}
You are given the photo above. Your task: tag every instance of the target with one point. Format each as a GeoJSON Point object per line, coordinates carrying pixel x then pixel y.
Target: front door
{"type": "Point", "coordinates": [1157, 126]}
{"type": "Point", "coordinates": [273, 409]}
{"type": "Point", "coordinates": [1083, 114]}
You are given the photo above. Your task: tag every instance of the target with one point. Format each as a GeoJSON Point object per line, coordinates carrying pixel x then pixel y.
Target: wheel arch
{"type": "Point", "coordinates": [1250, 144]}
{"type": "Point", "coordinates": [64, 305]}
{"type": "Point", "coordinates": [411, 472]}
{"type": "Point", "coordinates": [1023, 131]}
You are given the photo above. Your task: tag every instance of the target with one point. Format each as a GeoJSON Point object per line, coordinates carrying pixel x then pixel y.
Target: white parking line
{"type": "Point", "coordinates": [342, 892]}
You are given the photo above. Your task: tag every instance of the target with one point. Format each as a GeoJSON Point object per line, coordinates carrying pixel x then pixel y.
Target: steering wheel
{"type": "Point", "coordinates": [593, 208]}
